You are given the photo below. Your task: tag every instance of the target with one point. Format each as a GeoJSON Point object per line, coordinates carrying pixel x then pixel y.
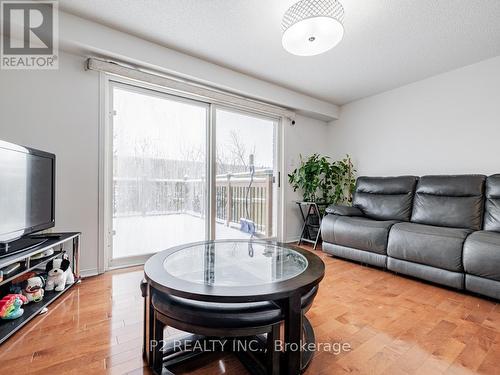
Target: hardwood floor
{"type": "Point", "coordinates": [394, 325]}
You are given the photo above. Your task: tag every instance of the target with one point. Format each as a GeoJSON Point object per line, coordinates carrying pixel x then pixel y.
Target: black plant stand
{"type": "Point", "coordinates": [311, 213]}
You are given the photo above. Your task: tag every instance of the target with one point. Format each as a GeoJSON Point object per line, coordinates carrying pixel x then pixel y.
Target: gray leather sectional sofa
{"type": "Point", "coordinates": [444, 229]}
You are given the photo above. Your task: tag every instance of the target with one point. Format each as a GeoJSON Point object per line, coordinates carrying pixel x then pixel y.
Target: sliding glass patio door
{"type": "Point", "coordinates": [159, 171]}
{"type": "Point", "coordinates": [246, 171]}
{"type": "Point", "coordinates": [181, 170]}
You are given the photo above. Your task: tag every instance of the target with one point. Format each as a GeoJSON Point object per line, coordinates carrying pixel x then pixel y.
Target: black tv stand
{"type": "Point", "coordinates": [21, 244]}
{"type": "Point", "coordinates": [29, 259]}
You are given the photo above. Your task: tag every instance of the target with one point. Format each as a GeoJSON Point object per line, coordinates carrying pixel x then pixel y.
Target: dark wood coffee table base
{"type": "Point", "coordinates": [254, 361]}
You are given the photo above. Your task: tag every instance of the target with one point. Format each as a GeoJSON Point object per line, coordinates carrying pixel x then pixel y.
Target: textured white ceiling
{"type": "Point", "coordinates": [387, 43]}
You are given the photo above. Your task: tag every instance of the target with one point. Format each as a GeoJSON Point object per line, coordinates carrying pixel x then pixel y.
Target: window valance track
{"type": "Point", "coordinates": [182, 86]}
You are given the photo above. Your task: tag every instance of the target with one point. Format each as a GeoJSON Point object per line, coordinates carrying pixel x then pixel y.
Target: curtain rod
{"type": "Point", "coordinates": [183, 86]}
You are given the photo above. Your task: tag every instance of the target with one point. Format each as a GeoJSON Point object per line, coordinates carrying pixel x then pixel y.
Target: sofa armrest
{"type": "Point", "coordinates": [344, 210]}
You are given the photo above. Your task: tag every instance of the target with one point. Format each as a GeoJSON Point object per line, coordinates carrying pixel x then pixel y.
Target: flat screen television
{"type": "Point", "coordinates": [27, 192]}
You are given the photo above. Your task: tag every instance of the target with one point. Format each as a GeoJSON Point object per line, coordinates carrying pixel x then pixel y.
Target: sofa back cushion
{"type": "Point", "coordinates": [450, 201]}
{"type": "Point", "coordinates": [385, 198]}
{"type": "Point", "coordinates": [492, 209]}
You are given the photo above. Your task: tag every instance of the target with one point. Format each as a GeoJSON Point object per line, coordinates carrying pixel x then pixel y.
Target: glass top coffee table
{"type": "Point", "coordinates": [239, 271]}
{"type": "Point", "coordinates": [235, 263]}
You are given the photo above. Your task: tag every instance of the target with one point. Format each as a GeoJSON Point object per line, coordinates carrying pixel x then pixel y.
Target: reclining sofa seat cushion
{"type": "Point", "coordinates": [357, 232]}
{"type": "Point", "coordinates": [446, 210]}
{"type": "Point", "coordinates": [361, 233]}
{"type": "Point", "coordinates": [481, 254]}
{"type": "Point", "coordinates": [439, 247]}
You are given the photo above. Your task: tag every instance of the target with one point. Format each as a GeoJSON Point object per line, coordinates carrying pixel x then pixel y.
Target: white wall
{"type": "Point", "coordinates": [445, 124]}
{"type": "Point", "coordinates": [58, 111]}
{"type": "Point", "coordinates": [306, 137]}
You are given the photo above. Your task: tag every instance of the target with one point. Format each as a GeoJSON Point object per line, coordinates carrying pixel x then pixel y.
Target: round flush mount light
{"type": "Point", "coordinates": [311, 27]}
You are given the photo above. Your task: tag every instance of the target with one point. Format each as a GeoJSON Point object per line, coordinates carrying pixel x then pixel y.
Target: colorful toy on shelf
{"type": "Point", "coordinates": [10, 306]}
{"type": "Point", "coordinates": [33, 288]}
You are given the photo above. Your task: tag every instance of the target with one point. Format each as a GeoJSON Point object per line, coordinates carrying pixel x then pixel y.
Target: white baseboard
{"type": "Point", "coordinates": [89, 272]}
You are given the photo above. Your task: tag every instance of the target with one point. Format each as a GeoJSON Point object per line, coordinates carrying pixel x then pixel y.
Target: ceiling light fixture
{"type": "Point", "coordinates": [311, 27]}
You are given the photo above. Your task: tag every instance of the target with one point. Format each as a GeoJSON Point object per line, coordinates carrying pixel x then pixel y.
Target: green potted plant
{"type": "Point", "coordinates": [323, 181]}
